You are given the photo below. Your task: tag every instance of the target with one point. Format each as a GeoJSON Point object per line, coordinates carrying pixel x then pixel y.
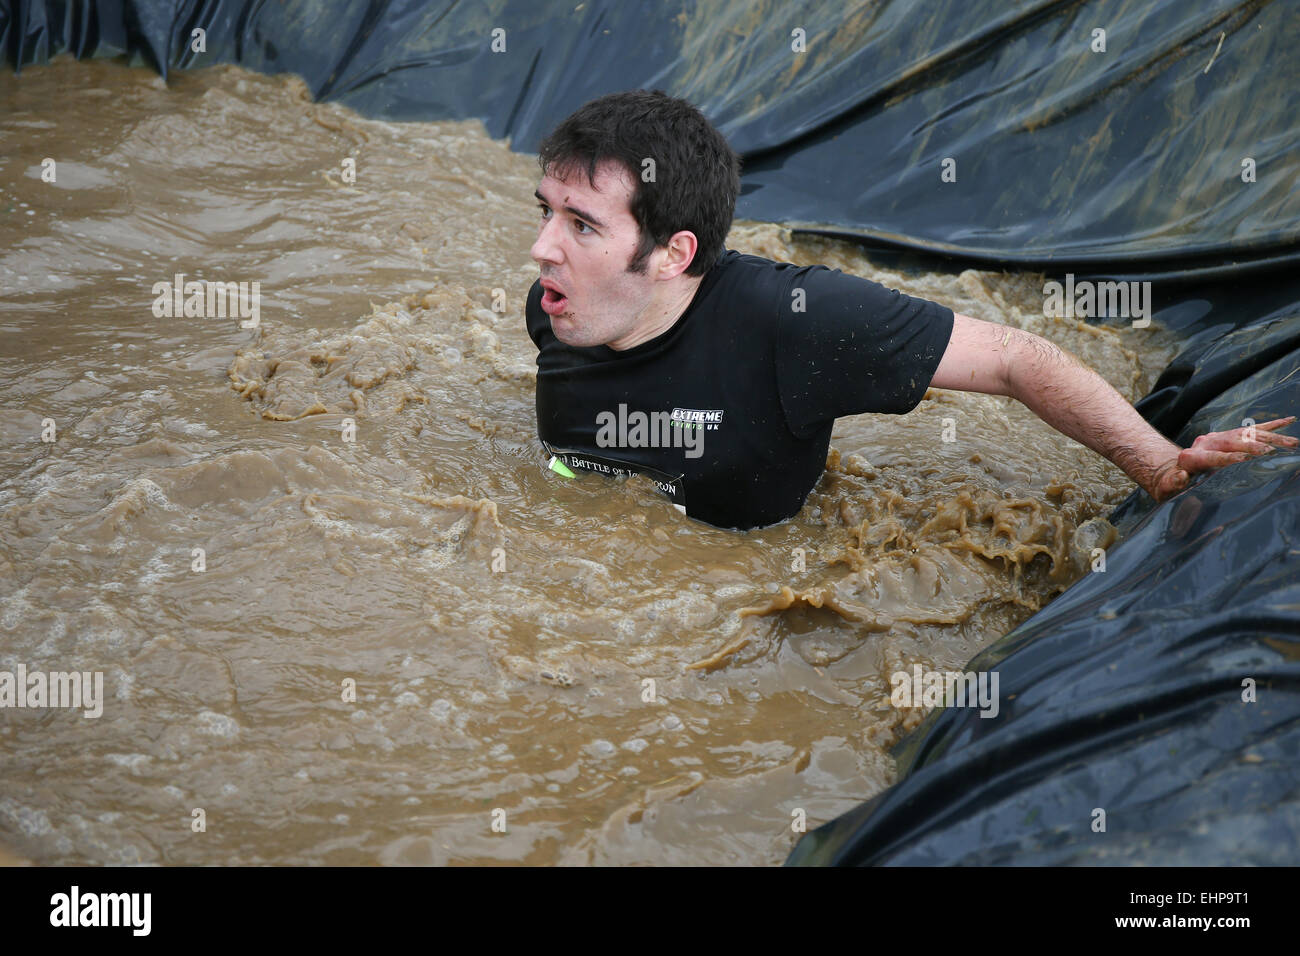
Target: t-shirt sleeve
{"type": "Point", "coordinates": [847, 345]}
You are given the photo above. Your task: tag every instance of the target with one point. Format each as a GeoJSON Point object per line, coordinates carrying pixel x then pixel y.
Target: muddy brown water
{"type": "Point", "coordinates": [521, 689]}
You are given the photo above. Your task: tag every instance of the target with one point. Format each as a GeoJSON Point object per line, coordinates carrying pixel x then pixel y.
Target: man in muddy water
{"type": "Point", "coordinates": [719, 375]}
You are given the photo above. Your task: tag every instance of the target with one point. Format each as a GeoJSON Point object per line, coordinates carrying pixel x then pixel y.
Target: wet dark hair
{"type": "Point", "coordinates": [696, 174]}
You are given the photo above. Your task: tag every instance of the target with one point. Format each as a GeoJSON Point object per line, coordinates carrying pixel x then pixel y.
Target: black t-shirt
{"type": "Point", "coordinates": [730, 411]}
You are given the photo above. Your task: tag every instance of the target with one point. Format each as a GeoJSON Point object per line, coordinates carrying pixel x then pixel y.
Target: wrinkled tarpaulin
{"type": "Point", "coordinates": [1064, 156]}
{"type": "Point", "coordinates": [1125, 693]}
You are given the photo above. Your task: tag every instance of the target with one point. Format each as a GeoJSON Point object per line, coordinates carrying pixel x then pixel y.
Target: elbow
{"type": "Point", "coordinates": [1032, 366]}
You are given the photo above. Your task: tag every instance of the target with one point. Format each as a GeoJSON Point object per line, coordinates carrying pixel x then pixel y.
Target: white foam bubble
{"type": "Point", "coordinates": [218, 725]}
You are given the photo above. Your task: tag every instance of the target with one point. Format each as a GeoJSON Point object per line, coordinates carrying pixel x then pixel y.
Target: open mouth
{"type": "Point", "coordinates": [553, 300]}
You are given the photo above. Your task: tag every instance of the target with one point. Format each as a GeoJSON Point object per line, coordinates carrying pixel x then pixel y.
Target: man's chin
{"type": "Point", "coordinates": [567, 331]}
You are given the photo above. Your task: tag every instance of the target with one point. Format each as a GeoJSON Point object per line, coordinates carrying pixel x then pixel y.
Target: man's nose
{"type": "Point", "coordinates": [546, 249]}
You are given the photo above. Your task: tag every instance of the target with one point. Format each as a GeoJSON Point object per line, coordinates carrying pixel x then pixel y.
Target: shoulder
{"type": "Point", "coordinates": [742, 267]}
{"type": "Point", "coordinates": [749, 286]}
{"type": "Point", "coordinates": [758, 276]}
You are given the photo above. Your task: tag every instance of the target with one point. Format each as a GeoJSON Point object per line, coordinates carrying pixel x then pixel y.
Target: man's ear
{"type": "Point", "coordinates": [681, 250]}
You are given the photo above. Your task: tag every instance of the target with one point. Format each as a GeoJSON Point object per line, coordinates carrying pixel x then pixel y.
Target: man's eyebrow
{"type": "Point", "coordinates": [571, 210]}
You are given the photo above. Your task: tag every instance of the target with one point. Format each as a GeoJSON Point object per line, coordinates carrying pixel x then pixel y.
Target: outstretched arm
{"type": "Point", "coordinates": [1076, 401]}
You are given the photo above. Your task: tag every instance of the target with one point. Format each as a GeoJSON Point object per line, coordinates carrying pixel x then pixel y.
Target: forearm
{"type": "Point", "coordinates": [1078, 402]}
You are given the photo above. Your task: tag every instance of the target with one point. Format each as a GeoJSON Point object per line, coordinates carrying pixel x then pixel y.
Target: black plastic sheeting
{"type": "Point", "coordinates": [1066, 156]}
{"type": "Point", "coordinates": [1125, 694]}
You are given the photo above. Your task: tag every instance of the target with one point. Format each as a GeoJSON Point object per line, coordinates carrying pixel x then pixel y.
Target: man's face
{"type": "Point", "coordinates": [585, 241]}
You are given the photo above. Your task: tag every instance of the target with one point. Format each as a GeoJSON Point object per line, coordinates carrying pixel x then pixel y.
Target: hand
{"type": "Point", "coordinates": [1215, 450]}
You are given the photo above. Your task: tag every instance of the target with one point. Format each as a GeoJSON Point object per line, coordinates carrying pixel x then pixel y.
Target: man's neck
{"type": "Point", "coordinates": [660, 315]}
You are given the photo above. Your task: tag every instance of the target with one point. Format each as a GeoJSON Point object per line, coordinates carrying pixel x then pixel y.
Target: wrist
{"type": "Point", "coordinates": [1160, 485]}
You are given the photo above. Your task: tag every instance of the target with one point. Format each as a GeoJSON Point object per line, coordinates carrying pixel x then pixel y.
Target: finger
{"type": "Point", "coordinates": [1264, 433]}
{"type": "Point", "coordinates": [1235, 440]}
{"type": "Point", "coordinates": [1260, 443]}
{"type": "Point", "coordinates": [1277, 423]}
{"type": "Point", "coordinates": [1278, 441]}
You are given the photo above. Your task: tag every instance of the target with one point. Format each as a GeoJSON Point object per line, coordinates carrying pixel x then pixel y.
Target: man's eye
{"type": "Point", "coordinates": [582, 227]}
